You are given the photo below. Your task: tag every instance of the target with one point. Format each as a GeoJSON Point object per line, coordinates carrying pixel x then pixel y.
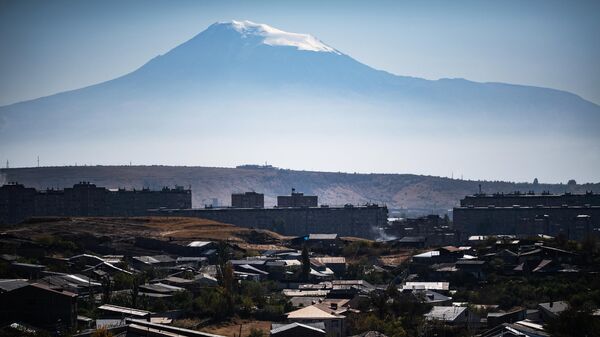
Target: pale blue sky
{"type": "Point", "coordinates": [52, 46]}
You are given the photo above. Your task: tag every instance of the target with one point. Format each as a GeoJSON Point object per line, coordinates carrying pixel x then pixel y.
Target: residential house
{"type": "Point", "coordinates": [298, 330]}
{"type": "Point", "coordinates": [39, 305]}
{"type": "Point", "coordinates": [335, 325]}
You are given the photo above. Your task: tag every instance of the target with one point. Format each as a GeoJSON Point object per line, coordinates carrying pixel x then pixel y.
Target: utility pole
{"type": "Point", "coordinates": [38, 161]}
{"type": "Point", "coordinates": [6, 163]}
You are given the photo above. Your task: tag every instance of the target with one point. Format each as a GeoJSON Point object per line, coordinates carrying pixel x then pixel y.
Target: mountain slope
{"type": "Point", "coordinates": [236, 80]}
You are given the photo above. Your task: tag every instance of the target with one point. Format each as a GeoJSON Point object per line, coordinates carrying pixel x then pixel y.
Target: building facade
{"type": "Point", "coordinates": [18, 202]}
{"type": "Point", "coordinates": [358, 221]}
{"type": "Point", "coordinates": [248, 200]}
{"type": "Point", "coordinates": [571, 215]}
{"type": "Point", "coordinates": [297, 200]}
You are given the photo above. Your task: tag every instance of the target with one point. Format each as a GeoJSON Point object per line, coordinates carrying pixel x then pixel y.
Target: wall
{"type": "Point", "coordinates": [574, 222]}
{"type": "Point", "coordinates": [360, 221]}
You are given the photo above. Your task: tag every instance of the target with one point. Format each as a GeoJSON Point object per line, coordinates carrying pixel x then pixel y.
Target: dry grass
{"type": "Point", "coordinates": [232, 327]}
{"type": "Point", "coordinates": [174, 228]}
{"type": "Point", "coordinates": [394, 260]}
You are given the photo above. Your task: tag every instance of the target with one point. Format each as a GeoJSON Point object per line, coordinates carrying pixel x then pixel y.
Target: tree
{"type": "Point", "coordinates": [535, 181]}
{"type": "Point", "coordinates": [254, 332]}
{"type": "Point", "coordinates": [305, 272]}
{"type": "Point", "coordinates": [102, 332]}
{"type": "Point", "coordinates": [106, 289]}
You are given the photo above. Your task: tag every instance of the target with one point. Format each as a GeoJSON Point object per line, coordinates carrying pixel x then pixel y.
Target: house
{"type": "Point", "coordinates": [330, 243]}
{"type": "Point", "coordinates": [31, 304]}
{"type": "Point", "coordinates": [150, 262]}
{"type": "Point", "coordinates": [450, 315]}
{"type": "Point", "coordinates": [249, 272]}
{"type": "Point", "coordinates": [337, 264]}
{"type": "Point", "coordinates": [298, 330]}
{"type": "Point", "coordinates": [75, 283]}
{"type": "Point", "coordinates": [511, 316]}
{"type": "Point", "coordinates": [7, 285]}
{"type": "Point", "coordinates": [437, 286]}
{"type": "Point", "coordinates": [432, 297]}
{"type": "Point", "coordinates": [29, 270]}
{"type": "Point", "coordinates": [159, 288]}
{"type": "Point", "coordinates": [521, 328]}
{"type": "Point", "coordinates": [551, 310]}
{"type": "Point", "coordinates": [118, 312]}
{"type": "Point", "coordinates": [199, 248]}
{"type": "Point", "coordinates": [412, 242]}
{"type": "Point", "coordinates": [335, 325]}
{"type": "Point", "coordinates": [130, 327]}
{"type": "Point", "coordinates": [473, 267]}
{"type": "Point", "coordinates": [320, 271]}
{"type": "Point", "coordinates": [192, 261]}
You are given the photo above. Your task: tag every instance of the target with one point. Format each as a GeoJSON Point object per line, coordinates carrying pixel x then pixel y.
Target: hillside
{"type": "Point", "coordinates": [120, 231]}
{"type": "Point", "coordinates": [415, 194]}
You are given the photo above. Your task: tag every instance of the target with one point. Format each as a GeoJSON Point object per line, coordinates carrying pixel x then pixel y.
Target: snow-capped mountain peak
{"type": "Point", "coordinates": [275, 37]}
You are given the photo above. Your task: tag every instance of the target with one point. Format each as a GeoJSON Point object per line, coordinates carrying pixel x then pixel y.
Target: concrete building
{"type": "Point", "coordinates": [248, 200]}
{"type": "Point", "coordinates": [297, 200]}
{"type": "Point", "coordinates": [18, 202]}
{"type": "Point", "coordinates": [574, 216]}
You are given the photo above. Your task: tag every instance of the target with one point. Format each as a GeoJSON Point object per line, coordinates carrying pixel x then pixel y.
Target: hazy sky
{"type": "Point", "coordinates": [52, 46]}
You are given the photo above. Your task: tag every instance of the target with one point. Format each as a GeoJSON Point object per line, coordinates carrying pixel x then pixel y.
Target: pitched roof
{"type": "Point", "coordinates": [294, 325]}
{"type": "Point", "coordinates": [445, 313]}
{"type": "Point", "coordinates": [322, 236]}
{"type": "Point", "coordinates": [427, 285]}
{"type": "Point", "coordinates": [330, 259]}
{"type": "Point", "coordinates": [124, 310]}
{"type": "Point", "coordinates": [12, 284]}
{"type": "Point", "coordinates": [197, 244]}
{"type": "Point", "coordinates": [311, 312]}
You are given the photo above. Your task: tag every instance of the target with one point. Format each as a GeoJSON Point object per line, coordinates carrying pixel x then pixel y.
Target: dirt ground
{"type": "Point", "coordinates": [232, 328]}
{"type": "Point", "coordinates": [174, 228]}
{"type": "Point", "coordinates": [396, 259]}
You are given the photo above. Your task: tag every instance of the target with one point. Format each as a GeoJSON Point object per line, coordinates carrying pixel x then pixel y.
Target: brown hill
{"type": "Point", "coordinates": [164, 228]}
{"type": "Point", "coordinates": [407, 192]}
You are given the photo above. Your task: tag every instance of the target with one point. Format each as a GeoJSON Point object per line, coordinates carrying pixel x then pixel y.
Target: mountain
{"type": "Point", "coordinates": [408, 193]}
{"type": "Point", "coordinates": [248, 92]}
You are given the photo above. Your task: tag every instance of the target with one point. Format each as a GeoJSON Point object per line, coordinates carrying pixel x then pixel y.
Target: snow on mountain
{"type": "Point", "coordinates": [276, 37]}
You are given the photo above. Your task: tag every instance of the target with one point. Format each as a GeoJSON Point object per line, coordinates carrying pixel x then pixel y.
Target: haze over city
{"type": "Point", "coordinates": [56, 46]}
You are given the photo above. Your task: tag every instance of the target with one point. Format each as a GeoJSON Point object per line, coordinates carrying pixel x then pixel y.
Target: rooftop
{"type": "Point", "coordinates": [445, 313]}
{"type": "Point", "coordinates": [310, 312]}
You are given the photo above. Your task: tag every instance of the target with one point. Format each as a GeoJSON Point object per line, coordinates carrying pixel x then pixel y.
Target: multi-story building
{"type": "Point", "coordinates": [248, 200]}
{"type": "Point", "coordinates": [18, 202]}
{"type": "Point", "coordinates": [575, 216]}
{"type": "Point", "coordinates": [297, 200]}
